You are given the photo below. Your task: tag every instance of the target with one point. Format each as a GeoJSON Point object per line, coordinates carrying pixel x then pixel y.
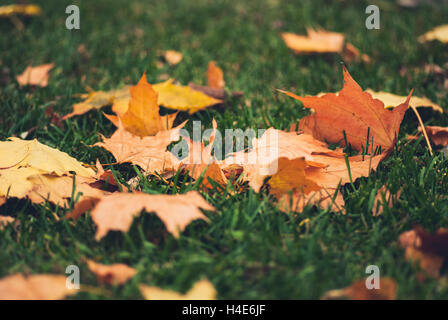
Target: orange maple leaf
{"type": "Point", "coordinates": [354, 112]}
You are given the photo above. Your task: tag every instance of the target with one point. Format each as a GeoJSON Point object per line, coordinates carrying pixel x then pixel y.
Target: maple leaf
{"type": "Point", "coordinates": [35, 76]}
{"type": "Point", "coordinates": [115, 274]}
{"type": "Point", "coordinates": [4, 221]}
{"type": "Point", "coordinates": [272, 145]}
{"type": "Point", "coordinates": [149, 153]}
{"type": "Point", "coordinates": [391, 100]}
{"type": "Point", "coordinates": [207, 167]}
{"type": "Point", "coordinates": [23, 9]}
{"type": "Point", "coordinates": [182, 98]}
{"type": "Point", "coordinates": [170, 96]}
{"type": "Point", "coordinates": [31, 153]}
{"type": "Point", "coordinates": [173, 57]}
{"type": "Point", "coordinates": [428, 250]}
{"type": "Point", "coordinates": [359, 291]}
{"type": "Point", "coordinates": [117, 211]}
{"type": "Point", "coordinates": [354, 112]}
{"type": "Point", "coordinates": [29, 169]}
{"type": "Point", "coordinates": [201, 290]}
{"type": "Point", "coordinates": [437, 135]}
{"type": "Point", "coordinates": [320, 41]}
{"type": "Point", "coordinates": [291, 176]}
{"type": "Point", "coordinates": [99, 99]}
{"type": "Point", "coordinates": [439, 33]}
{"type": "Point", "coordinates": [142, 117]}
{"type": "Point", "coordinates": [215, 76]}
{"type": "Point", "coordinates": [215, 84]}
{"type": "Point", "coordinates": [34, 287]}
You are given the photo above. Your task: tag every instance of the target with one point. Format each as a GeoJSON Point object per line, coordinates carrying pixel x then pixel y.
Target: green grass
{"type": "Point", "coordinates": [250, 249]}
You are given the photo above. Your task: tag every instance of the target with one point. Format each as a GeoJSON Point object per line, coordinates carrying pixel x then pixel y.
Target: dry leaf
{"type": "Point", "coordinates": [115, 274]}
{"type": "Point", "coordinates": [391, 100]}
{"type": "Point", "coordinates": [99, 99]}
{"type": "Point", "coordinates": [173, 57]}
{"type": "Point", "coordinates": [201, 163]}
{"type": "Point", "coordinates": [31, 153]}
{"type": "Point", "coordinates": [429, 250]}
{"type": "Point", "coordinates": [389, 200]}
{"type": "Point", "coordinates": [34, 287]}
{"type": "Point", "coordinates": [170, 95]}
{"type": "Point", "coordinates": [438, 33]}
{"type": "Point", "coordinates": [117, 211]}
{"type": "Point", "coordinates": [181, 98]}
{"type": "Point", "coordinates": [359, 291]}
{"type": "Point", "coordinates": [23, 9]}
{"type": "Point", "coordinates": [291, 176]}
{"type": "Point", "coordinates": [149, 153]}
{"type": "Point", "coordinates": [35, 76]}
{"type": "Point", "coordinates": [29, 169]}
{"type": "Point", "coordinates": [319, 41]}
{"type": "Point", "coordinates": [215, 76]}
{"type": "Point", "coordinates": [4, 221]}
{"type": "Point", "coordinates": [437, 135]}
{"type": "Point", "coordinates": [142, 117]}
{"type": "Point", "coordinates": [354, 112]}
{"type": "Point", "coordinates": [201, 290]}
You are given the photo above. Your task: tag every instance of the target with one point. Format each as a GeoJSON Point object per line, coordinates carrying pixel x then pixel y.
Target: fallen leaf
{"type": "Point", "coordinates": [149, 153]}
{"type": "Point", "coordinates": [428, 250]}
{"type": "Point", "coordinates": [201, 290]}
{"type": "Point", "coordinates": [170, 95]}
{"type": "Point", "coordinates": [437, 135]}
{"type": "Point", "coordinates": [34, 287]}
{"type": "Point", "coordinates": [291, 176]}
{"type": "Point", "coordinates": [181, 98]}
{"type": "Point", "coordinates": [23, 9]}
{"type": "Point", "coordinates": [200, 162]}
{"type": "Point", "coordinates": [320, 41]}
{"type": "Point", "coordinates": [117, 211]}
{"type": "Point", "coordinates": [142, 117]}
{"type": "Point", "coordinates": [35, 76]}
{"type": "Point", "coordinates": [115, 274]}
{"type": "Point", "coordinates": [173, 57]}
{"type": "Point", "coordinates": [384, 198]}
{"type": "Point", "coordinates": [31, 153]}
{"type": "Point", "coordinates": [439, 33]}
{"type": "Point", "coordinates": [354, 112]}
{"type": "Point", "coordinates": [29, 169]}
{"type": "Point", "coordinates": [359, 291]}
{"type": "Point", "coordinates": [4, 221]}
{"type": "Point", "coordinates": [99, 99]}
{"type": "Point", "coordinates": [391, 100]}
{"type": "Point", "coordinates": [215, 76]}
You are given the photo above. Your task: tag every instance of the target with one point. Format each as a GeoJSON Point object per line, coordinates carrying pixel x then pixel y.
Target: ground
{"type": "Point", "coordinates": [249, 249]}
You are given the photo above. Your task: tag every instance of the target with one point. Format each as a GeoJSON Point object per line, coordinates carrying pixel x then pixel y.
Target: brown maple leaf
{"type": "Point", "coordinates": [352, 115]}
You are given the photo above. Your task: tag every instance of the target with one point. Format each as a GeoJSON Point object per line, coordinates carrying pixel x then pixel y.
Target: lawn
{"type": "Point", "coordinates": [249, 249]}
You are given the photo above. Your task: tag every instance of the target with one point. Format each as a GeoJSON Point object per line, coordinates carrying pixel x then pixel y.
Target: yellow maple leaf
{"type": "Point", "coordinates": [182, 98]}
{"type": "Point", "coordinates": [31, 153]}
